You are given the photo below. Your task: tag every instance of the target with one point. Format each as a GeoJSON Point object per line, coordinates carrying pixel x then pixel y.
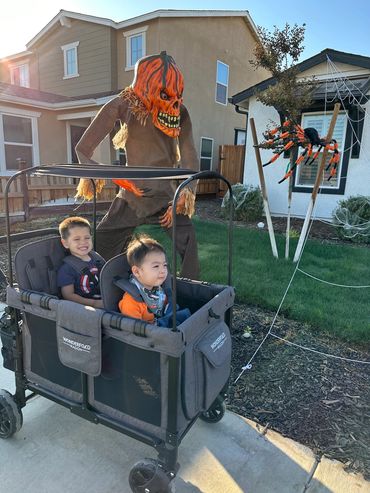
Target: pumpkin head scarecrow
{"type": "Point", "coordinates": [155, 130]}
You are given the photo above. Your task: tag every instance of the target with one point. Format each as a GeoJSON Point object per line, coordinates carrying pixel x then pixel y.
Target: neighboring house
{"type": "Point", "coordinates": [77, 62]}
{"type": "Point", "coordinates": [342, 77]}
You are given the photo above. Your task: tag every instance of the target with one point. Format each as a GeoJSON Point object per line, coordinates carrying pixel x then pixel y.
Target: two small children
{"type": "Point", "coordinates": [145, 299]}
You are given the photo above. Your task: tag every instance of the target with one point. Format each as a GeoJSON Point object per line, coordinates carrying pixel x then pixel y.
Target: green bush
{"type": "Point", "coordinates": [248, 203]}
{"type": "Point", "coordinates": [351, 219]}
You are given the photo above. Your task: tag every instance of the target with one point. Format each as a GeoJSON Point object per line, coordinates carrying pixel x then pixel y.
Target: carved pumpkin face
{"type": "Point", "coordinates": [159, 84]}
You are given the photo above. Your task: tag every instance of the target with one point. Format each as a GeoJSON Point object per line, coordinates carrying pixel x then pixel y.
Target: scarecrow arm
{"type": "Point", "coordinates": [102, 124]}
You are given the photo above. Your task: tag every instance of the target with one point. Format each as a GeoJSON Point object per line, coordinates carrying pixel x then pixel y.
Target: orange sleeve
{"type": "Point", "coordinates": [130, 307]}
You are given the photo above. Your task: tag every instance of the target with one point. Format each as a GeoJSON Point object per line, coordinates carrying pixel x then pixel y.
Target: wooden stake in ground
{"type": "Point", "coordinates": [316, 186]}
{"type": "Point", "coordinates": [263, 190]}
{"type": "Point", "coordinates": [290, 192]}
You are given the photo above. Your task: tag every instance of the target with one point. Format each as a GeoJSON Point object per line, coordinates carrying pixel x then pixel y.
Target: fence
{"type": "Point", "coordinates": [231, 165]}
{"type": "Point", "coordinates": [34, 195]}
{"type": "Point", "coordinates": [30, 196]}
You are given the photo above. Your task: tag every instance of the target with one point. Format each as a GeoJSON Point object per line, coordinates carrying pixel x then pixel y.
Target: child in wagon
{"type": "Point", "coordinates": [78, 276]}
{"type": "Point", "coordinates": [147, 296]}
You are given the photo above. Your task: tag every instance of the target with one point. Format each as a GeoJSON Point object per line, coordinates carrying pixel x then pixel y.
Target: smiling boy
{"type": "Point", "coordinates": [78, 277]}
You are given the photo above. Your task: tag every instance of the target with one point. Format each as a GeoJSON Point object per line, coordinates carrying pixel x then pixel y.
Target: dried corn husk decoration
{"type": "Point", "coordinates": [85, 189]}
{"type": "Point", "coordinates": [119, 140]}
{"type": "Point", "coordinates": [138, 110]}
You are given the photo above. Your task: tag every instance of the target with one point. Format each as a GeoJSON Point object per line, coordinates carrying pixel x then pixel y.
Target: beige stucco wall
{"type": "Point", "coordinates": [52, 138]}
{"type": "Point", "coordinates": [94, 59]}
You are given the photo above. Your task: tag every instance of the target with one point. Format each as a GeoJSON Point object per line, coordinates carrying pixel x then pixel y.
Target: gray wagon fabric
{"type": "Point", "coordinates": [36, 265]}
{"type": "Point", "coordinates": [79, 334]}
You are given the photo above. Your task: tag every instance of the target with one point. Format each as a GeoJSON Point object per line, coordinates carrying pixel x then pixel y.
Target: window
{"type": "Point", "coordinates": [206, 151]}
{"type": "Point", "coordinates": [70, 60]}
{"type": "Point", "coordinates": [19, 75]}
{"type": "Point", "coordinates": [135, 46]}
{"type": "Point", "coordinates": [18, 139]}
{"type": "Point", "coordinates": [222, 81]}
{"type": "Point", "coordinates": [240, 136]}
{"type": "Point", "coordinates": [306, 175]}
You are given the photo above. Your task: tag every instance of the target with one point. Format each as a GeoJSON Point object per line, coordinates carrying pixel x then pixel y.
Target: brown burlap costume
{"type": "Point", "coordinates": [145, 145]}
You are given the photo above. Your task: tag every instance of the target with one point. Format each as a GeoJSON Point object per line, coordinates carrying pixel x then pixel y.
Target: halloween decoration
{"type": "Point", "coordinates": [155, 130]}
{"type": "Point", "coordinates": [159, 85]}
{"type": "Point", "coordinates": [290, 134]}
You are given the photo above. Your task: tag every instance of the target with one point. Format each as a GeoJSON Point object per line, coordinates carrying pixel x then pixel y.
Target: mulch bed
{"type": "Point", "coordinates": [321, 402]}
{"type": "Point", "coordinates": [316, 400]}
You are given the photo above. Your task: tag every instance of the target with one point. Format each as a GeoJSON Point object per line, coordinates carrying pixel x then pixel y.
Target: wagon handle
{"type": "Point", "coordinates": [198, 176]}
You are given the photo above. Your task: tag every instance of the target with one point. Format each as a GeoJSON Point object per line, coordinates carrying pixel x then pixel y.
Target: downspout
{"type": "Point", "coordinates": [243, 111]}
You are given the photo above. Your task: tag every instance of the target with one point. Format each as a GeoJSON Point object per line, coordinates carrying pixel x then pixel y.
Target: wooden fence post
{"type": "Point", "coordinates": [263, 190]}
{"type": "Point", "coordinates": [22, 164]}
{"type": "Point", "coordinates": [316, 187]}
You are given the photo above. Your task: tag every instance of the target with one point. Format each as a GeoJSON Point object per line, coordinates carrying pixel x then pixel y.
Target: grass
{"type": "Point", "coordinates": [260, 279]}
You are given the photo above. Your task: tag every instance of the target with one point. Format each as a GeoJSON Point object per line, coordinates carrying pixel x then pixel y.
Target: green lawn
{"type": "Point", "coordinates": [261, 279]}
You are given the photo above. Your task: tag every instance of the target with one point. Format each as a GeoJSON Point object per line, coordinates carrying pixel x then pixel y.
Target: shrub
{"type": "Point", "coordinates": [351, 219]}
{"type": "Point", "coordinates": [248, 203]}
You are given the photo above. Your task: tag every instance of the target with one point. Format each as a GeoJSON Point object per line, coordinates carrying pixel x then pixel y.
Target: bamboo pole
{"type": "Point", "coordinates": [316, 186]}
{"type": "Point", "coordinates": [263, 190]}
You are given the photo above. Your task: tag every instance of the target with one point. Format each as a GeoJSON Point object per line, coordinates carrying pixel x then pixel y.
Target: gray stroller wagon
{"type": "Point", "coordinates": [145, 381]}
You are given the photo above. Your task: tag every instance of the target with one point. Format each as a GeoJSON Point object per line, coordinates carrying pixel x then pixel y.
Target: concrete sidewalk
{"type": "Point", "coordinates": [58, 452]}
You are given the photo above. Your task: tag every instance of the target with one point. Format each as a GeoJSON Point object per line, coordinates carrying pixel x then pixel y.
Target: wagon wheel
{"type": "Point", "coordinates": [11, 418]}
{"type": "Point", "coordinates": [215, 413]}
{"type": "Point", "coordinates": [147, 476]}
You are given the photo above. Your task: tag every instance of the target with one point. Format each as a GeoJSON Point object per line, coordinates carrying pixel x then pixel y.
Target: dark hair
{"type": "Point", "coordinates": [72, 222]}
{"type": "Point", "coordinates": [139, 247]}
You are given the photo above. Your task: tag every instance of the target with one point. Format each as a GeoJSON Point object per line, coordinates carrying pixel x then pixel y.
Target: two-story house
{"type": "Point", "coordinates": [50, 92]}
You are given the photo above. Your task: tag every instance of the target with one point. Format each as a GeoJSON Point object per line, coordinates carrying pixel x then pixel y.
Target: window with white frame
{"type": "Point", "coordinates": [206, 153]}
{"type": "Point", "coordinates": [222, 82]}
{"type": "Point", "coordinates": [135, 46]}
{"type": "Point", "coordinates": [70, 60]}
{"type": "Point", "coordinates": [306, 175]}
{"type": "Point", "coordinates": [19, 75]}
{"type": "Point", "coordinates": [18, 139]}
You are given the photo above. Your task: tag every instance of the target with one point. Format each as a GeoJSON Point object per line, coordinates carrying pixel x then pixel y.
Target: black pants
{"type": "Point", "coordinates": [115, 230]}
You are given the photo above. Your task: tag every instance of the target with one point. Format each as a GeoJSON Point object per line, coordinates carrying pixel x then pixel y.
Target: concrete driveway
{"type": "Point", "coordinates": [58, 452]}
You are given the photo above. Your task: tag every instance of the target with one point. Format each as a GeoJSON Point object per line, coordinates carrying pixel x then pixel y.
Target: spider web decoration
{"type": "Point", "coordinates": [353, 218]}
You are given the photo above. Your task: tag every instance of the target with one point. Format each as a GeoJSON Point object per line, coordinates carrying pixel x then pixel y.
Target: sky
{"type": "Point", "coordinates": [329, 23]}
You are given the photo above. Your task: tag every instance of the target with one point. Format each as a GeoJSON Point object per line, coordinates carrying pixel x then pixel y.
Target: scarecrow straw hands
{"type": "Point", "coordinates": [185, 206]}
{"type": "Point", "coordinates": [85, 188]}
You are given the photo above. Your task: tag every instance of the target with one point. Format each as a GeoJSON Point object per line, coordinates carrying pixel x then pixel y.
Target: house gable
{"type": "Point", "coordinates": [318, 64]}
